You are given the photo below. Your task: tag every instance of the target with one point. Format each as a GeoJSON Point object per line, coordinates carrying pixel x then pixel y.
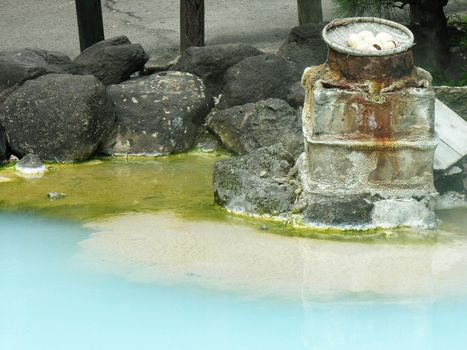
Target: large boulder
{"type": "Point", "coordinates": [58, 117]}
{"type": "Point", "coordinates": [305, 46]}
{"type": "Point", "coordinates": [158, 114]}
{"type": "Point", "coordinates": [245, 128]}
{"type": "Point", "coordinates": [113, 60]}
{"type": "Point", "coordinates": [16, 67]}
{"type": "Point", "coordinates": [258, 78]}
{"type": "Point", "coordinates": [211, 62]}
{"type": "Point", "coordinates": [256, 183]}
{"type": "Point", "coordinates": [3, 152]}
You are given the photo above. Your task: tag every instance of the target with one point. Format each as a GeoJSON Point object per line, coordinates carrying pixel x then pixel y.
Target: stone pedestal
{"type": "Point", "coordinates": [369, 145]}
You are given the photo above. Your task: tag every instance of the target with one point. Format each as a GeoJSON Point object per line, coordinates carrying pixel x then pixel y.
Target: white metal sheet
{"type": "Point", "coordinates": [452, 132]}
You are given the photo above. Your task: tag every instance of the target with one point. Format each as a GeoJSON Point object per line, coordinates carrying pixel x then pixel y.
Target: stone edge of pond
{"type": "Point", "coordinates": [290, 226]}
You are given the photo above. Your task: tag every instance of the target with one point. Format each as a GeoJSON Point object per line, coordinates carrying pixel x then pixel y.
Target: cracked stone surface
{"type": "Point", "coordinates": [157, 114]}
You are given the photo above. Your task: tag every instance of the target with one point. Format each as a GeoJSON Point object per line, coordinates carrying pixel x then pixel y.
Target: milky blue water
{"type": "Point", "coordinates": [47, 302]}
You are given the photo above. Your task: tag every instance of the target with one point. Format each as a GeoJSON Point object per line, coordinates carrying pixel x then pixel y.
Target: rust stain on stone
{"type": "Point", "coordinates": [376, 117]}
{"type": "Point", "coordinates": [370, 78]}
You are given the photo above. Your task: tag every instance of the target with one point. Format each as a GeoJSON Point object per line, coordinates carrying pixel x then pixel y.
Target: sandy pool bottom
{"type": "Point", "coordinates": [165, 248]}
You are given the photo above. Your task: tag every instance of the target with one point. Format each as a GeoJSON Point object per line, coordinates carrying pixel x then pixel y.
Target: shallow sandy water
{"type": "Point", "coordinates": [164, 248]}
{"type": "Point", "coordinates": [163, 267]}
{"type": "Point", "coordinates": [155, 221]}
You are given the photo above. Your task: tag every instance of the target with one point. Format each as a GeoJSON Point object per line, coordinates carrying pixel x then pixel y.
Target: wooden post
{"type": "Point", "coordinates": [191, 23]}
{"type": "Point", "coordinates": [309, 11]}
{"type": "Point", "coordinates": [90, 23]}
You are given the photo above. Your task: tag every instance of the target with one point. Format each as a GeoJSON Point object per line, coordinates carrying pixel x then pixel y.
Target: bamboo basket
{"type": "Point", "coordinates": [336, 33]}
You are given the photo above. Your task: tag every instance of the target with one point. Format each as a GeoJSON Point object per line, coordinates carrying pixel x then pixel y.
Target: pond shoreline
{"type": "Point", "coordinates": [155, 248]}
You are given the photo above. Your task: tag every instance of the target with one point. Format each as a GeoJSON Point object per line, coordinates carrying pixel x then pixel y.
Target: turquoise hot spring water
{"type": "Point", "coordinates": [82, 282]}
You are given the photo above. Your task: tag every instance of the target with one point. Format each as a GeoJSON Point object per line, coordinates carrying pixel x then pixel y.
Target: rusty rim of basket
{"type": "Point", "coordinates": [393, 27]}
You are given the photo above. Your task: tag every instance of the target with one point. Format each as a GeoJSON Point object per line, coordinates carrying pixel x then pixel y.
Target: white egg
{"type": "Point", "coordinates": [363, 46]}
{"type": "Point", "coordinates": [353, 41]}
{"type": "Point", "coordinates": [353, 44]}
{"type": "Point", "coordinates": [384, 36]}
{"type": "Point", "coordinates": [353, 36]}
{"type": "Point", "coordinates": [371, 41]}
{"type": "Point", "coordinates": [366, 34]}
{"type": "Point", "coordinates": [388, 45]}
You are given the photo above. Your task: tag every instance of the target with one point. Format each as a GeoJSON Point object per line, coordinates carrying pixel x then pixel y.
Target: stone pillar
{"type": "Point", "coordinates": [368, 124]}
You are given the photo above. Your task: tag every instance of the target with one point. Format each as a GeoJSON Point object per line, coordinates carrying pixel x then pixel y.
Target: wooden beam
{"type": "Point", "coordinates": [191, 23]}
{"type": "Point", "coordinates": [309, 11]}
{"type": "Point", "coordinates": [90, 23]}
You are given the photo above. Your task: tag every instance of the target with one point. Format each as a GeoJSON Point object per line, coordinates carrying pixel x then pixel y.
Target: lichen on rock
{"type": "Point", "coordinates": [242, 129]}
{"type": "Point", "coordinates": [256, 183]}
{"type": "Point", "coordinates": [158, 114]}
{"type": "Point", "coordinates": [58, 117]}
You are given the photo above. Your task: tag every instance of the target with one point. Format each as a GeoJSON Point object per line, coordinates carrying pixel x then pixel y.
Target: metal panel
{"type": "Point", "coordinates": [452, 132]}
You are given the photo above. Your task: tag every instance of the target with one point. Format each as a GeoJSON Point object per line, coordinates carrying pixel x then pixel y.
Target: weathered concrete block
{"type": "Point", "coordinates": [369, 143]}
{"type": "Point", "coordinates": [362, 208]}
{"type": "Point", "coordinates": [322, 210]}
{"type": "Point", "coordinates": [338, 111]}
{"type": "Point", "coordinates": [337, 165]}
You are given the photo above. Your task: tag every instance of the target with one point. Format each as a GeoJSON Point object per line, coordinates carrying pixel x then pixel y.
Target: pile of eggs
{"type": "Point", "coordinates": [368, 41]}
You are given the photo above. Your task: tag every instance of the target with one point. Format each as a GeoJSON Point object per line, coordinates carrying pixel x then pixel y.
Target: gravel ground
{"type": "Point", "coordinates": [51, 24]}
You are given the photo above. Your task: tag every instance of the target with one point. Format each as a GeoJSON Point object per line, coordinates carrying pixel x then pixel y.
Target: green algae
{"type": "Point", "coordinates": [106, 187]}
{"type": "Point", "coordinates": [181, 184]}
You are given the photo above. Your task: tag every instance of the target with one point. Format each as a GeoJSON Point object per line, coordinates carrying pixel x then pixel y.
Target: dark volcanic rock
{"type": "Point", "coordinates": [113, 60]}
{"type": "Point", "coordinates": [211, 62]}
{"type": "Point", "coordinates": [296, 95]}
{"type": "Point", "coordinates": [207, 142]}
{"type": "Point", "coordinates": [158, 114]}
{"type": "Point", "coordinates": [164, 59]}
{"type": "Point", "coordinates": [243, 129]}
{"type": "Point", "coordinates": [16, 67]}
{"type": "Point", "coordinates": [453, 179]}
{"type": "Point", "coordinates": [257, 183]}
{"type": "Point", "coordinates": [258, 78]}
{"type": "Point", "coordinates": [58, 117]}
{"type": "Point", "coordinates": [305, 46]}
{"type": "Point", "coordinates": [3, 152]}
